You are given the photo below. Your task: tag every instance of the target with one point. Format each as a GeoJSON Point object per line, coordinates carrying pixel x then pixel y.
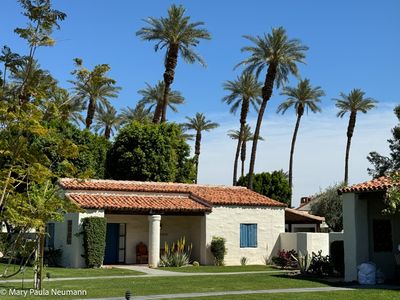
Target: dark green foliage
{"type": "Point", "coordinates": [382, 164]}
{"type": "Point", "coordinates": [150, 152]}
{"type": "Point", "coordinates": [337, 256]}
{"type": "Point", "coordinates": [286, 259]}
{"type": "Point", "coordinates": [52, 257]}
{"type": "Point", "coordinates": [90, 151]}
{"type": "Point", "coordinates": [274, 185]}
{"type": "Point", "coordinates": [328, 204]}
{"type": "Point", "coordinates": [94, 240]}
{"type": "Point", "coordinates": [218, 249]}
{"type": "Point", "coordinates": [320, 264]}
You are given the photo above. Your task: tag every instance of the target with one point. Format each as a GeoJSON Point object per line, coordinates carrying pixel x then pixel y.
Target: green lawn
{"type": "Point", "coordinates": [215, 269]}
{"type": "Point", "coordinates": [169, 285]}
{"type": "Point", "coordinates": [66, 272]}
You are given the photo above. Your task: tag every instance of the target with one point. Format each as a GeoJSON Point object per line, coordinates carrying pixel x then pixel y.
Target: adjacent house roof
{"type": "Point", "coordinates": [114, 194]}
{"type": "Point", "coordinates": [296, 216]}
{"type": "Point", "coordinates": [380, 184]}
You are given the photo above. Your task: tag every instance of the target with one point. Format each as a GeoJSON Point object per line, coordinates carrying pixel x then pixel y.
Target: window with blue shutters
{"type": "Point", "coordinates": [248, 235]}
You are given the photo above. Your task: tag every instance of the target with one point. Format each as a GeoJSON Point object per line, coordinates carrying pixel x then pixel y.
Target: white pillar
{"type": "Point", "coordinates": [154, 240]}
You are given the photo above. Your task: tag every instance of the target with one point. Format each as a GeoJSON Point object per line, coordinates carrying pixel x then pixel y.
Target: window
{"type": "Point", "coordinates": [248, 235]}
{"type": "Point", "coordinates": [49, 241]}
{"type": "Point", "coordinates": [69, 232]}
{"type": "Point", "coordinates": [382, 233]}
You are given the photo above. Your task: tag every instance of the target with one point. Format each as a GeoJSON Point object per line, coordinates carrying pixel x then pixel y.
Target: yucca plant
{"type": "Point", "coordinates": [176, 255]}
{"type": "Point", "coordinates": [304, 261]}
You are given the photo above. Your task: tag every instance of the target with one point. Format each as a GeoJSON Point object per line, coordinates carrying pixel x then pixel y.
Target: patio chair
{"type": "Point", "coordinates": [142, 256]}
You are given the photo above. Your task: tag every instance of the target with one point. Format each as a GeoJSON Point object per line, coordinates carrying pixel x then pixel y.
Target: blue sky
{"type": "Point", "coordinates": [353, 44]}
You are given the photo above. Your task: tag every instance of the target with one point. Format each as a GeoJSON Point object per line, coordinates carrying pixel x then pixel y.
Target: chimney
{"type": "Point", "coordinates": [305, 200]}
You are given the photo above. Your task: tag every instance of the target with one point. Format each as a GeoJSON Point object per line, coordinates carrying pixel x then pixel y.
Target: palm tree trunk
{"type": "Point", "coordinates": [266, 95]}
{"type": "Point", "coordinates": [157, 113]}
{"type": "Point", "coordinates": [296, 129]}
{"type": "Point", "coordinates": [350, 131]}
{"type": "Point", "coordinates": [90, 113]}
{"type": "Point", "coordinates": [243, 116]}
{"type": "Point", "coordinates": [169, 74]}
{"type": "Point", "coordinates": [107, 132]}
{"type": "Point", "coordinates": [197, 152]}
{"type": "Point", "coordinates": [243, 156]}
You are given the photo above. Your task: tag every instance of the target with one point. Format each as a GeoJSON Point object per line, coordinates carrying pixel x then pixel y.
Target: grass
{"type": "Point", "coordinates": [222, 269]}
{"type": "Point", "coordinates": [67, 272]}
{"type": "Point", "coordinates": [169, 285]}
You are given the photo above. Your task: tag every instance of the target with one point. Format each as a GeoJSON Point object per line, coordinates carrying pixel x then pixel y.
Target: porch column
{"type": "Point", "coordinates": [154, 240]}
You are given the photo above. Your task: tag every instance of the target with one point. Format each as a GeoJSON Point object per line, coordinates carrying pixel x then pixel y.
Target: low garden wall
{"type": "Point", "coordinates": [309, 241]}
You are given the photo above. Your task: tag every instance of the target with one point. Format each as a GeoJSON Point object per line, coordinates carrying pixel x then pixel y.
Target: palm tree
{"type": "Point", "coordinates": [10, 60]}
{"type": "Point", "coordinates": [245, 90]}
{"type": "Point", "coordinates": [139, 114]}
{"type": "Point", "coordinates": [352, 103]}
{"type": "Point", "coordinates": [93, 86]}
{"type": "Point", "coordinates": [179, 37]}
{"type": "Point", "coordinates": [106, 120]}
{"type": "Point", "coordinates": [303, 97]}
{"type": "Point", "coordinates": [245, 137]}
{"type": "Point", "coordinates": [152, 96]}
{"type": "Point", "coordinates": [198, 124]}
{"type": "Point", "coordinates": [280, 55]}
{"type": "Point", "coordinates": [69, 107]}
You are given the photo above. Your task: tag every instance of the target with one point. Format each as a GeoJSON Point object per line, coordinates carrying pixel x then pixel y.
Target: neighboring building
{"type": "Point", "coordinates": [368, 234]}
{"type": "Point", "coordinates": [302, 221]}
{"type": "Point", "coordinates": [155, 213]}
{"type": "Point", "coordinates": [319, 224]}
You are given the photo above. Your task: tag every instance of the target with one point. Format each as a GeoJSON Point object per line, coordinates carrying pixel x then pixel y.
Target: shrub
{"type": "Point", "coordinates": [52, 257]}
{"type": "Point", "coordinates": [303, 261]}
{"type": "Point", "coordinates": [286, 259]}
{"type": "Point", "coordinates": [176, 255]}
{"type": "Point", "coordinates": [320, 264]}
{"type": "Point", "coordinates": [94, 240]}
{"type": "Point", "coordinates": [337, 256]}
{"type": "Point", "coordinates": [243, 261]}
{"type": "Point", "coordinates": [218, 249]}
{"type": "Point", "coordinates": [195, 264]}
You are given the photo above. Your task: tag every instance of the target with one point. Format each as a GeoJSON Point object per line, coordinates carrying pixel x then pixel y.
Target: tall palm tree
{"type": "Point", "coordinates": [93, 86]}
{"type": "Point", "coordinates": [246, 136]}
{"type": "Point", "coordinates": [245, 90]}
{"type": "Point", "coordinates": [152, 96]}
{"type": "Point", "coordinates": [139, 114]}
{"type": "Point", "coordinates": [352, 103]}
{"type": "Point", "coordinates": [303, 97]}
{"type": "Point", "coordinates": [179, 37]}
{"type": "Point", "coordinates": [69, 107]}
{"type": "Point", "coordinates": [107, 120]}
{"type": "Point", "coordinates": [279, 55]}
{"type": "Point", "coordinates": [198, 124]}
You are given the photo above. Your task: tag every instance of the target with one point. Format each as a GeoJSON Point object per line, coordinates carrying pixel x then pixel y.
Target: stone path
{"type": "Point", "coordinates": [227, 293]}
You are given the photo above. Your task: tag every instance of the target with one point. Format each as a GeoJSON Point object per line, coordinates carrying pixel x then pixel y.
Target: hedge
{"type": "Point", "coordinates": [94, 240]}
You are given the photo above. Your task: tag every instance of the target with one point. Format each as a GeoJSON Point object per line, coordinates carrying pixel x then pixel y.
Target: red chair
{"type": "Point", "coordinates": [142, 255]}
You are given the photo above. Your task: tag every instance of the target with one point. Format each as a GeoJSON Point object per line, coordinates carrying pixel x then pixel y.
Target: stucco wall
{"type": "Point", "coordinates": [224, 221]}
{"type": "Point", "coordinates": [306, 242]}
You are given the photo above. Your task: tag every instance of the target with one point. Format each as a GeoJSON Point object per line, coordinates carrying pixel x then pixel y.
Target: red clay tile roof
{"type": "Point", "coordinates": [293, 215]}
{"type": "Point", "coordinates": [138, 202]}
{"type": "Point", "coordinates": [214, 195]}
{"type": "Point", "coordinates": [380, 184]}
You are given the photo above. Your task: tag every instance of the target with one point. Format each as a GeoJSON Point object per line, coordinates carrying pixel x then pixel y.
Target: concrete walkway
{"type": "Point", "coordinates": [227, 293]}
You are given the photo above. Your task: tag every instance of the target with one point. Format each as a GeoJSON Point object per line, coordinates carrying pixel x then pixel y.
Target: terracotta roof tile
{"type": "Point", "coordinates": [293, 215]}
{"type": "Point", "coordinates": [214, 195]}
{"type": "Point", "coordinates": [380, 184]}
{"type": "Point", "coordinates": [137, 202]}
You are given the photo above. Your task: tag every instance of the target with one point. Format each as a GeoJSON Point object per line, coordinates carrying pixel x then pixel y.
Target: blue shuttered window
{"type": "Point", "coordinates": [248, 235]}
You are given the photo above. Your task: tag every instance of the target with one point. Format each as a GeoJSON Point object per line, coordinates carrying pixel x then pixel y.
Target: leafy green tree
{"type": "Point", "coordinates": [150, 152]}
{"type": "Point", "coordinates": [93, 86]}
{"type": "Point", "coordinates": [10, 60]}
{"type": "Point", "coordinates": [274, 185]}
{"type": "Point", "coordinates": [246, 136]}
{"type": "Point", "coordinates": [152, 96]}
{"type": "Point", "coordinates": [302, 98]}
{"type": "Point", "coordinates": [243, 91]}
{"type": "Point", "coordinates": [328, 203]}
{"type": "Point", "coordinates": [107, 120]}
{"type": "Point", "coordinates": [198, 124]}
{"type": "Point", "coordinates": [279, 55]}
{"type": "Point", "coordinates": [139, 114]}
{"type": "Point", "coordinates": [382, 164]}
{"type": "Point", "coordinates": [178, 36]}
{"type": "Point", "coordinates": [352, 103]}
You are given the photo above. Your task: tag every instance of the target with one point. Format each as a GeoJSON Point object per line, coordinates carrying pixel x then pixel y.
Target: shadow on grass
{"type": "Point", "coordinates": [339, 282]}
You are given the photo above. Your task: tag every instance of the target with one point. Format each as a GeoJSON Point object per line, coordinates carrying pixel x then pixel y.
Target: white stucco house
{"type": "Point", "coordinates": [369, 235]}
{"type": "Point", "coordinates": [155, 213]}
